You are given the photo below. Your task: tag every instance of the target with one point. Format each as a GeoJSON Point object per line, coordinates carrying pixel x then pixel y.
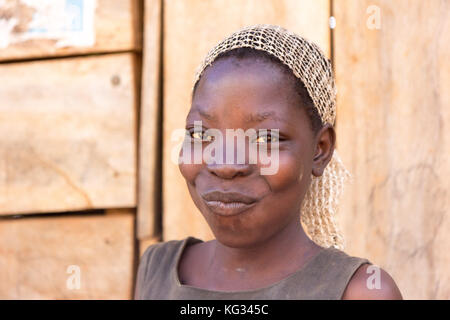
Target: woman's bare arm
{"type": "Point", "coordinates": [363, 287]}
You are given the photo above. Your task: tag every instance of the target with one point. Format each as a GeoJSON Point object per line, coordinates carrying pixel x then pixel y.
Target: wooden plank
{"type": "Point", "coordinates": [148, 179]}
{"type": "Point", "coordinates": [393, 135]}
{"type": "Point", "coordinates": [116, 28]}
{"type": "Point", "coordinates": [67, 134]}
{"type": "Point", "coordinates": [37, 254]}
{"type": "Point", "coordinates": [191, 28]}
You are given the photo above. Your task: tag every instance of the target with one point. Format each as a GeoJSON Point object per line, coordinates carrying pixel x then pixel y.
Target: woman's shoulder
{"type": "Point", "coordinates": [160, 248]}
{"type": "Point", "coordinates": [164, 252]}
{"type": "Point", "coordinates": [366, 280]}
{"type": "Point", "coordinates": [371, 282]}
{"type": "Point", "coordinates": [157, 261]}
{"type": "Point", "coordinates": [336, 274]}
{"type": "Point", "coordinates": [339, 262]}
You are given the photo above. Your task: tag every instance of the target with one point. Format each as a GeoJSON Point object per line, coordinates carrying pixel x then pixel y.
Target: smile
{"type": "Point", "coordinates": [228, 208]}
{"type": "Point", "coordinates": [228, 203]}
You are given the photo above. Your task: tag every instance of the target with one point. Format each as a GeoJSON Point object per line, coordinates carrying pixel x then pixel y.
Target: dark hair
{"type": "Point", "coordinates": [305, 98]}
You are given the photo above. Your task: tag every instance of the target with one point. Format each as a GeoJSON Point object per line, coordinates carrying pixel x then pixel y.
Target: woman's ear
{"type": "Point", "coordinates": [324, 148]}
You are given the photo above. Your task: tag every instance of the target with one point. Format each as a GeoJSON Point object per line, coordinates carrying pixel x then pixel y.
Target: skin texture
{"type": "Point", "coordinates": [266, 243]}
{"type": "Point", "coordinates": [357, 288]}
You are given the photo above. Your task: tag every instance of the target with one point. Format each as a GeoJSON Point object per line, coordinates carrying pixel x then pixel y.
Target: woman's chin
{"type": "Point", "coordinates": [235, 230]}
{"type": "Point", "coordinates": [237, 238]}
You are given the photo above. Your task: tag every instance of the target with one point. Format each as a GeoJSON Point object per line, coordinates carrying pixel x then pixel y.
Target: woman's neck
{"type": "Point", "coordinates": [283, 253]}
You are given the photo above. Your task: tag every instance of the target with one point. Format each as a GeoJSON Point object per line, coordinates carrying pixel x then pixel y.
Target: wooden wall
{"type": "Point", "coordinates": [69, 138]}
{"type": "Point", "coordinates": [394, 136]}
{"type": "Point", "coordinates": [116, 27]}
{"type": "Point", "coordinates": [68, 157]}
{"type": "Point", "coordinates": [37, 254]}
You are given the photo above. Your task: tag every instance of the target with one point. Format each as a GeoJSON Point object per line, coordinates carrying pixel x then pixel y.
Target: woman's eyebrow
{"type": "Point", "coordinates": [202, 112]}
{"type": "Point", "coordinates": [249, 118]}
{"type": "Point", "coordinates": [262, 116]}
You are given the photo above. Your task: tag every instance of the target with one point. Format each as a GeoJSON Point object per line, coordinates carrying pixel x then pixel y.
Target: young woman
{"type": "Point", "coordinates": [270, 80]}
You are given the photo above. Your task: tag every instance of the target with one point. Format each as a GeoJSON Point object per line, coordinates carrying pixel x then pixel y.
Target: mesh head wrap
{"type": "Point", "coordinates": [309, 64]}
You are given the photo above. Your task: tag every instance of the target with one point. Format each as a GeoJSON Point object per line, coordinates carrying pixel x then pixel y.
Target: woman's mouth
{"type": "Point", "coordinates": [228, 203]}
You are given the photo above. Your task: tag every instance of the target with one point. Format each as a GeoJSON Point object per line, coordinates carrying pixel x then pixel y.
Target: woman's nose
{"type": "Point", "coordinates": [233, 162]}
{"type": "Point", "coordinates": [229, 171]}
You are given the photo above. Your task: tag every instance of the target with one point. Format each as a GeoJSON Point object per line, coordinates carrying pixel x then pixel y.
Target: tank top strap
{"type": "Point", "coordinates": [328, 275]}
{"type": "Point", "coordinates": [156, 265]}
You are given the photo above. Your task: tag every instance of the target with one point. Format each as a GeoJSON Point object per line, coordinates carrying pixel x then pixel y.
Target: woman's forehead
{"type": "Point", "coordinates": [235, 67]}
{"type": "Point", "coordinates": [246, 115]}
{"type": "Point", "coordinates": [255, 92]}
{"type": "Point", "coordinates": [253, 82]}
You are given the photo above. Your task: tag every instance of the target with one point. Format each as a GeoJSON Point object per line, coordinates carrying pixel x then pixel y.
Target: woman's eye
{"type": "Point", "coordinates": [201, 135]}
{"type": "Point", "coordinates": [196, 135]}
{"type": "Point", "coordinates": [267, 138]}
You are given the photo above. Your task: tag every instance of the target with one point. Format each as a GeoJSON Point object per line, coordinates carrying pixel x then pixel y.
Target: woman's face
{"type": "Point", "coordinates": [248, 94]}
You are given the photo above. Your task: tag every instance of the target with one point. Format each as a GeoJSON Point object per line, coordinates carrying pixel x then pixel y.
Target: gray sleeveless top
{"type": "Point", "coordinates": [324, 276]}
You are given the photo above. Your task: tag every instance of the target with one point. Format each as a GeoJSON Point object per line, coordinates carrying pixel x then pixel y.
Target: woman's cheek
{"type": "Point", "coordinates": [189, 171]}
{"type": "Point", "coordinates": [290, 172]}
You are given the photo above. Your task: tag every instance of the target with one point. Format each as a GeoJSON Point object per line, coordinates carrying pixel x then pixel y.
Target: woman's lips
{"type": "Point", "coordinates": [228, 208]}
{"type": "Point", "coordinates": [228, 203]}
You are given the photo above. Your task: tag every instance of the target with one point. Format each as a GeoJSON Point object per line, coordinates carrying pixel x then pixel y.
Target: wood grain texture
{"type": "Point", "coordinates": [191, 28]}
{"type": "Point", "coordinates": [117, 28]}
{"type": "Point", "coordinates": [148, 189]}
{"type": "Point", "coordinates": [68, 135]}
{"type": "Point", "coordinates": [394, 136]}
{"type": "Point", "coordinates": [36, 253]}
